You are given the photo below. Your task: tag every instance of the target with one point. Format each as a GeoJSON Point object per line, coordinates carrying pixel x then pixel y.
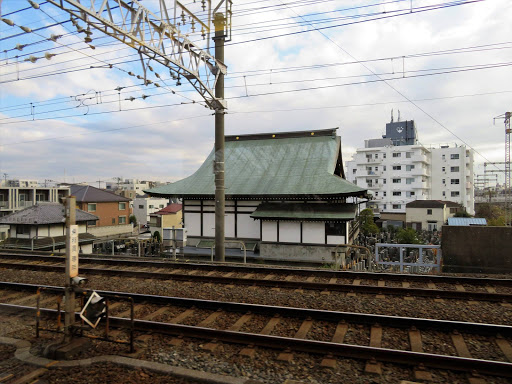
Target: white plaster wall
{"type": "Point", "coordinates": [248, 228]}
{"type": "Point", "coordinates": [289, 232]}
{"type": "Point", "coordinates": [86, 249]}
{"type": "Point", "coordinates": [193, 223]}
{"type": "Point", "coordinates": [229, 225]}
{"type": "Point", "coordinates": [269, 231]}
{"type": "Point", "coordinates": [313, 233]}
{"type": "Point", "coordinates": [335, 240]}
{"type": "Point", "coordinates": [208, 224]}
{"type": "Point", "coordinates": [55, 230]}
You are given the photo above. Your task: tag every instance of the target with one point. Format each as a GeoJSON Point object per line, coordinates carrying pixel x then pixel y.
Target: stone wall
{"type": "Point", "coordinates": [477, 249]}
{"type": "Point", "coordinates": [295, 253]}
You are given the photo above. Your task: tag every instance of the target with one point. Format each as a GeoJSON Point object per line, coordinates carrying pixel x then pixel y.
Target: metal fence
{"type": "Point", "coordinates": [411, 258]}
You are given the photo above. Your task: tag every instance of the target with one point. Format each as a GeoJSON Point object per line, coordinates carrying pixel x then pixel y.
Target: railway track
{"type": "Point", "coordinates": [431, 286]}
{"type": "Point", "coordinates": [437, 344]}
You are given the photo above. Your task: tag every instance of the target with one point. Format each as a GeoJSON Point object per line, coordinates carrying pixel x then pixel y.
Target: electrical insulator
{"type": "Point", "coordinates": [25, 29]}
{"type": "Point", "coordinates": [33, 4]}
{"type": "Point", "coordinates": [8, 22]}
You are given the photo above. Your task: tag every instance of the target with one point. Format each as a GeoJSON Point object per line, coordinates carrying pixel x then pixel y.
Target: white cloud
{"type": "Point", "coordinates": [172, 150]}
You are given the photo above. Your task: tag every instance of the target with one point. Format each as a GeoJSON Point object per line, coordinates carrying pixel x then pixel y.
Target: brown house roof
{"type": "Point", "coordinates": [89, 194]}
{"type": "Point", "coordinates": [170, 209]}
{"type": "Point", "coordinates": [431, 204]}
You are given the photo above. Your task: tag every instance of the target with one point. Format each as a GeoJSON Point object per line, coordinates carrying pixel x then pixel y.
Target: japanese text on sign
{"type": "Point", "coordinates": [73, 251]}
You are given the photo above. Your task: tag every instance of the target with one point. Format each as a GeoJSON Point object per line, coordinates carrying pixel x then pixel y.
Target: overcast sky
{"type": "Point", "coordinates": [448, 69]}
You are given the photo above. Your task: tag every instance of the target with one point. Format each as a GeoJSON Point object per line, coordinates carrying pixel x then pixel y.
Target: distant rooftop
{"type": "Point", "coordinates": [44, 213]}
{"type": "Point", "coordinates": [89, 194]}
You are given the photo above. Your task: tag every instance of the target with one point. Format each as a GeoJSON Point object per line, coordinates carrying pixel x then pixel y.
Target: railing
{"type": "Point", "coordinates": [25, 203]}
{"type": "Point", "coordinates": [36, 237]}
{"type": "Point", "coordinates": [417, 261]}
{"type": "Point", "coordinates": [4, 204]}
{"type": "Point", "coordinates": [236, 242]}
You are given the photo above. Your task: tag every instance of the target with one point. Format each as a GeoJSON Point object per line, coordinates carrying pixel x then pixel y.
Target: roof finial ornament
{"type": "Point", "coordinates": [398, 115]}
{"type": "Point", "coordinates": [391, 114]}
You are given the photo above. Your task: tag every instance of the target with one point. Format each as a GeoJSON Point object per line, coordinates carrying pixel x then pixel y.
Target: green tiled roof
{"type": "Point", "coordinates": [304, 211]}
{"type": "Point", "coordinates": [289, 164]}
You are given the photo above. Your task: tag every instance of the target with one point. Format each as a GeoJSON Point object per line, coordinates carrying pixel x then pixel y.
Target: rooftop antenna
{"type": "Point", "coordinates": [398, 115]}
{"type": "Point", "coordinates": [391, 114]}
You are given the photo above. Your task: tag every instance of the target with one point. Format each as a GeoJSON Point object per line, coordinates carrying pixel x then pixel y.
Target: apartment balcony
{"type": "Point", "coordinates": [418, 185]}
{"type": "Point", "coordinates": [375, 186]}
{"type": "Point", "coordinates": [369, 161]}
{"type": "Point", "coordinates": [420, 172]}
{"type": "Point", "coordinates": [369, 174]}
{"type": "Point", "coordinates": [419, 159]}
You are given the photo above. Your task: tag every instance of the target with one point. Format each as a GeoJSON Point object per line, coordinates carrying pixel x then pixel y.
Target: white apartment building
{"type": "Point", "coordinates": [145, 206]}
{"type": "Point", "coordinates": [139, 186]}
{"type": "Point", "coordinates": [16, 198]}
{"type": "Point", "coordinates": [452, 175]}
{"type": "Point", "coordinates": [396, 174]}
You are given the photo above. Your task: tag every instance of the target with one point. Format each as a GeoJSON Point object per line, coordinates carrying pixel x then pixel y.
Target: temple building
{"type": "Point", "coordinates": [286, 195]}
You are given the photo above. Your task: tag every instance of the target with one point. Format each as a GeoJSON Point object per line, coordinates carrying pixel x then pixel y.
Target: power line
{"type": "Point", "coordinates": [403, 95]}
{"type": "Point", "coordinates": [368, 104]}
{"type": "Point", "coordinates": [405, 12]}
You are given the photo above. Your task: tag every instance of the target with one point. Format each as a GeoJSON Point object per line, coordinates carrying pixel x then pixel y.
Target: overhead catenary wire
{"type": "Point", "coordinates": [402, 94]}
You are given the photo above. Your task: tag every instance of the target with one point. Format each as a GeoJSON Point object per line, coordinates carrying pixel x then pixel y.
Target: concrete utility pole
{"type": "Point", "coordinates": [71, 265]}
{"type": "Point", "coordinates": [220, 195]}
{"type": "Point", "coordinates": [164, 39]}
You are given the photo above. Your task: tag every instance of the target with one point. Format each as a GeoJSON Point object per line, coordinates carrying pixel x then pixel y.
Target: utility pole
{"type": "Point", "coordinates": [164, 39]}
{"type": "Point", "coordinates": [220, 192]}
{"type": "Point", "coordinates": [71, 265]}
{"type": "Point", "coordinates": [507, 171]}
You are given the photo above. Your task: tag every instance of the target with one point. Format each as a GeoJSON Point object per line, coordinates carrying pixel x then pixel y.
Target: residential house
{"type": "Point", "coordinates": [430, 215]}
{"type": "Point", "coordinates": [112, 210]}
{"type": "Point", "coordinates": [167, 217]}
{"type": "Point", "coordinates": [42, 227]}
{"type": "Point", "coordinates": [285, 191]}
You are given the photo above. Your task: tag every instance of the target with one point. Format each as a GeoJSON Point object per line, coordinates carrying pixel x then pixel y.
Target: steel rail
{"type": "Point", "coordinates": [291, 312]}
{"type": "Point", "coordinates": [157, 263]}
{"type": "Point", "coordinates": [489, 367]}
{"type": "Point", "coordinates": [333, 287]}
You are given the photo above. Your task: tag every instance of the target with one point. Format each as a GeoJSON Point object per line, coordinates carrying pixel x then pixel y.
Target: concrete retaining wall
{"type": "Point", "coordinates": [477, 249]}
{"type": "Point", "coordinates": [110, 230]}
{"type": "Point", "coordinates": [284, 252]}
